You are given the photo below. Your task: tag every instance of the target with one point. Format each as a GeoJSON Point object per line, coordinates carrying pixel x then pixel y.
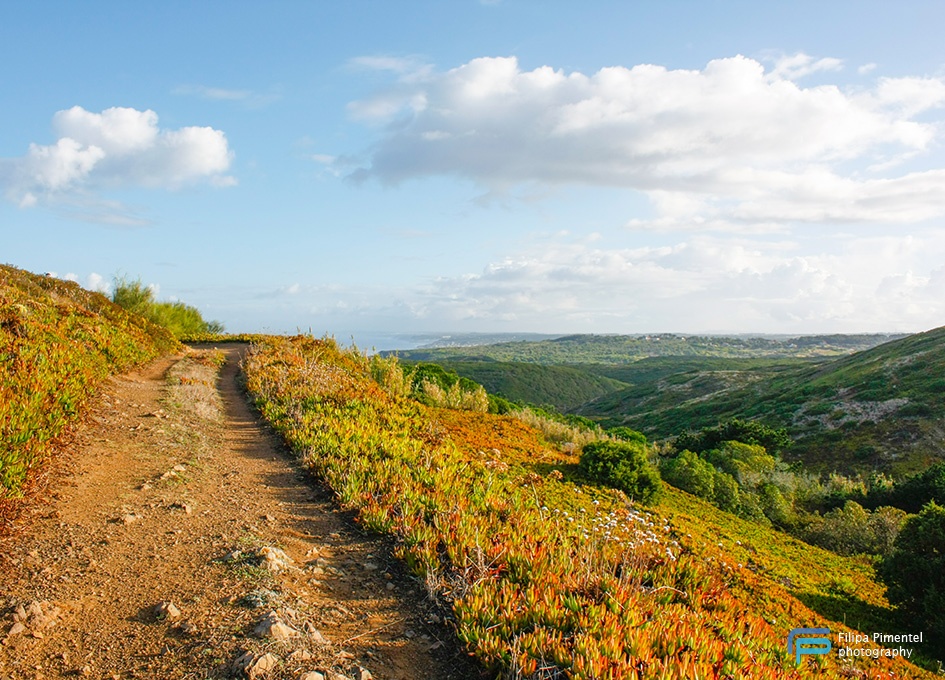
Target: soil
{"type": "Point", "coordinates": [185, 542]}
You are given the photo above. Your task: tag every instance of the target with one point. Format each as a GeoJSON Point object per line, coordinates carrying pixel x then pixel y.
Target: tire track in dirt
{"type": "Point", "coordinates": [177, 495]}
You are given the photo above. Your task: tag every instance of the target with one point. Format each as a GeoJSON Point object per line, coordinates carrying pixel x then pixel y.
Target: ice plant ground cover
{"type": "Point", "coordinates": [57, 343]}
{"type": "Point", "coordinates": [547, 577]}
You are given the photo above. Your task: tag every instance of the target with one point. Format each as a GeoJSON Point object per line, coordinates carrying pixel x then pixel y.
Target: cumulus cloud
{"type": "Point", "coordinates": [735, 139]}
{"type": "Point", "coordinates": [94, 281]}
{"type": "Point", "coordinates": [702, 284]}
{"type": "Point", "coordinates": [115, 148]}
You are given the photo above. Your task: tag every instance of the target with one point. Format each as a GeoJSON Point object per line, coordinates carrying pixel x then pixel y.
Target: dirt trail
{"type": "Point", "coordinates": [178, 498]}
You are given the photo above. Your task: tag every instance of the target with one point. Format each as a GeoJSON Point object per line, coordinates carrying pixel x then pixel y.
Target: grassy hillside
{"type": "Point", "coordinates": [652, 370]}
{"type": "Point", "coordinates": [881, 407]}
{"type": "Point", "coordinates": [563, 387]}
{"type": "Point", "coordinates": [626, 349]}
{"type": "Point", "coordinates": [547, 576]}
{"type": "Point", "coordinates": [57, 343]}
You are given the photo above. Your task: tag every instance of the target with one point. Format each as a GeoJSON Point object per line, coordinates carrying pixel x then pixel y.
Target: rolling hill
{"type": "Point", "coordinates": [627, 349]}
{"type": "Point", "coordinates": [563, 387]}
{"type": "Point", "coordinates": [879, 408]}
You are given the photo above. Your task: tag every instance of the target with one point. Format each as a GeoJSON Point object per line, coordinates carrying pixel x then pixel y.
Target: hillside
{"type": "Point", "coordinates": [626, 349]}
{"type": "Point", "coordinates": [881, 407]}
{"type": "Point", "coordinates": [563, 387]}
{"type": "Point", "coordinates": [58, 342]}
{"type": "Point", "coordinates": [547, 575]}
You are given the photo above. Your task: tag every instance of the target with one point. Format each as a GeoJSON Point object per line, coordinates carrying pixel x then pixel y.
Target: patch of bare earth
{"type": "Point", "coordinates": [187, 544]}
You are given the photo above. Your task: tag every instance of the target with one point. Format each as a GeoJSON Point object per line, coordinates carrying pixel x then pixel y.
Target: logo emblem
{"type": "Point", "coordinates": [808, 641]}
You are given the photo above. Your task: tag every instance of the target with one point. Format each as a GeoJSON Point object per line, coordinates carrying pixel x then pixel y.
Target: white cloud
{"type": "Point", "coordinates": [117, 147]}
{"type": "Point", "coordinates": [98, 283]}
{"type": "Point", "coordinates": [94, 281]}
{"type": "Point", "coordinates": [796, 66]}
{"type": "Point", "coordinates": [248, 98]}
{"type": "Point", "coordinates": [731, 139]}
{"type": "Point", "coordinates": [702, 284]}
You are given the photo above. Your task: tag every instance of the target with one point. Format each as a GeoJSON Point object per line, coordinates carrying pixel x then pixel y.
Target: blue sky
{"type": "Point", "coordinates": [371, 168]}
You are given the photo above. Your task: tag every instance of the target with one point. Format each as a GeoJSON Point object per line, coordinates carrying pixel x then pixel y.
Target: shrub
{"type": "Point", "coordinates": [556, 430]}
{"type": "Point", "coordinates": [746, 431]}
{"type": "Point", "coordinates": [627, 434]}
{"type": "Point", "coordinates": [177, 317]}
{"type": "Point", "coordinates": [690, 473]}
{"type": "Point", "coordinates": [624, 466]}
{"type": "Point", "coordinates": [914, 492]}
{"type": "Point", "coordinates": [915, 572]}
{"type": "Point", "coordinates": [725, 492]}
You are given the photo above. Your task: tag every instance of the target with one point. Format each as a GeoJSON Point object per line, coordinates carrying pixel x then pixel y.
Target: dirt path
{"type": "Point", "coordinates": [181, 498]}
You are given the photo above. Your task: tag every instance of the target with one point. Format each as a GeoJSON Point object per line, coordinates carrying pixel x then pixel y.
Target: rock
{"type": "Point", "coordinates": [253, 666]}
{"type": "Point", "coordinates": [274, 559]}
{"type": "Point", "coordinates": [261, 666]}
{"type": "Point", "coordinates": [273, 626]}
{"type": "Point", "coordinates": [317, 637]}
{"type": "Point", "coordinates": [390, 586]}
{"type": "Point", "coordinates": [241, 662]}
{"type": "Point", "coordinates": [129, 518]}
{"type": "Point", "coordinates": [312, 675]}
{"type": "Point", "coordinates": [282, 632]}
{"type": "Point", "coordinates": [166, 610]}
{"type": "Point", "coordinates": [35, 616]}
{"type": "Point", "coordinates": [300, 655]}
{"type": "Point", "coordinates": [364, 674]}
{"type": "Point", "coordinates": [186, 628]}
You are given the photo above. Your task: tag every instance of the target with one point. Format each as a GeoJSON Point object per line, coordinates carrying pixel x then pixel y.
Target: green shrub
{"type": "Point", "coordinates": [624, 466]}
{"type": "Point", "coordinates": [915, 573]}
{"type": "Point", "coordinates": [746, 431]}
{"type": "Point", "coordinates": [725, 493]}
{"type": "Point", "coordinates": [177, 317]}
{"type": "Point", "coordinates": [690, 473]}
{"type": "Point", "coordinates": [627, 434]}
{"type": "Point", "coordinates": [914, 492]}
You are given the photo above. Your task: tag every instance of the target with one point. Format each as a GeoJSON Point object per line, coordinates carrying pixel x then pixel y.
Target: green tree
{"type": "Point", "coordinates": [725, 494]}
{"type": "Point", "coordinates": [745, 431]}
{"type": "Point", "coordinates": [914, 572]}
{"type": "Point", "coordinates": [914, 492]}
{"type": "Point", "coordinates": [624, 466]}
{"type": "Point", "coordinates": [689, 472]}
{"type": "Point", "coordinates": [748, 463]}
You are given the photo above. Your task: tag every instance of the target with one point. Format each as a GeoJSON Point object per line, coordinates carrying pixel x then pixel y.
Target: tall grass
{"type": "Point", "coordinates": [179, 318]}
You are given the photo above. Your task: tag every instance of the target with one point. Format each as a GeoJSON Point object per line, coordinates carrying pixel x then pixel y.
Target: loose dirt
{"type": "Point", "coordinates": [186, 543]}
